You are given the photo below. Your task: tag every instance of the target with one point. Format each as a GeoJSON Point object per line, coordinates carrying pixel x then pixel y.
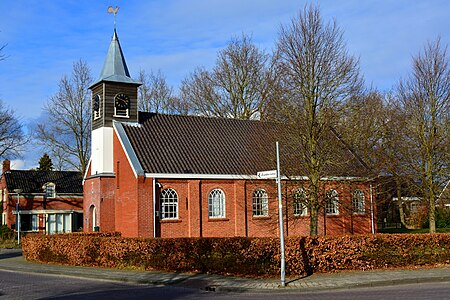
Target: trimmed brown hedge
{"type": "Point", "coordinates": [240, 256]}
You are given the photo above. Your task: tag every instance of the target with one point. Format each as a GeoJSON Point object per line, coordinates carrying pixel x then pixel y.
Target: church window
{"type": "Point", "coordinates": [96, 107]}
{"type": "Point", "coordinates": [300, 201]}
{"type": "Point", "coordinates": [216, 204]}
{"type": "Point", "coordinates": [358, 202]}
{"type": "Point", "coordinates": [169, 204]}
{"type": "Point", "coordinates": [260, 203]}
{"type": "Point", "coordinates": [332, 207]}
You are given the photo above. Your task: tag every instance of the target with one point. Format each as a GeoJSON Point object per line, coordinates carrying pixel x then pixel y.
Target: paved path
{"type": "Point", "coordinates": [11, 259]}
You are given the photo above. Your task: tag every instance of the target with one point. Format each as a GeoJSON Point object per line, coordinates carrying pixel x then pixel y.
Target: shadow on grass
{"type": "Point", "coordinates": [10, 253]}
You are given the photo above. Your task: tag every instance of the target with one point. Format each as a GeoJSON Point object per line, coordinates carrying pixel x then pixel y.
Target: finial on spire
{"type": "Point", "coordinates": [111, 10]}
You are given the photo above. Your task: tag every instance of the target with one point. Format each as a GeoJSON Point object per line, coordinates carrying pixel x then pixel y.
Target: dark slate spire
{"type": "Point", "coordinates": [115, 68]}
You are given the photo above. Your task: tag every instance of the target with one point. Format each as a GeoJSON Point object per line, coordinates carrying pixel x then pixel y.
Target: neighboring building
{"type": "Point", "coordinates": [49, 201]}
{"type": "Point", "coordinates": [155, 175]}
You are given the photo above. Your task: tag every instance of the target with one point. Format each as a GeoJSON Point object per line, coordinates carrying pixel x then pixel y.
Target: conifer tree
{"type": "Point", "coordinates": [45, 163]}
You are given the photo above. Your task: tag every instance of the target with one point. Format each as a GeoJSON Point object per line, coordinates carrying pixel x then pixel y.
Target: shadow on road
{"type": "Point", "coordinates": [10, 253]}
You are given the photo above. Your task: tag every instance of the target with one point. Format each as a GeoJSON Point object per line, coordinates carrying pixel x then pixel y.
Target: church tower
{"type": "Point", "coordinates": [114, 98]}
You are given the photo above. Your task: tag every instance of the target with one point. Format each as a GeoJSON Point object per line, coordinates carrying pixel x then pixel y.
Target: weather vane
{"type": "Point", "coordinates": [114, 11]}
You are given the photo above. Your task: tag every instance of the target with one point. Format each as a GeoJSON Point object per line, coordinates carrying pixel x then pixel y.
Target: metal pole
{"type": "Point", "coordinates": [18, 218]}
{"type": "Point", "coordinates": [280, 212]}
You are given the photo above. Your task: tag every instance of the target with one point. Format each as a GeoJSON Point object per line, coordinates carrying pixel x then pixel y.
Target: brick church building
{"type": "Point", "coordinates": [157, 175]}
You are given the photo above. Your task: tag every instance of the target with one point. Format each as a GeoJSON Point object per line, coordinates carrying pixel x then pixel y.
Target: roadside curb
{"type": "Point", "coordinates": [216, 283]}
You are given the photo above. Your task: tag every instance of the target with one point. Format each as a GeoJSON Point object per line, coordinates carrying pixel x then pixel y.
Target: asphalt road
{"type": "Point", "coordinates": [17, 285]}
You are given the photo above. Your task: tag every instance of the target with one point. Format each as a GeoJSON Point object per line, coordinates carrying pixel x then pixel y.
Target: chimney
{"type": "Point", "coordinates": [6, 166]}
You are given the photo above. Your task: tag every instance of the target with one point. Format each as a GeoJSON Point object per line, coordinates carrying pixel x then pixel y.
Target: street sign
{"type": "Point", "coordinates": [272, 174]}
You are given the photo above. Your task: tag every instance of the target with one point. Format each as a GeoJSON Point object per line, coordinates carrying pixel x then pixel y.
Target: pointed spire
{"type": "Point", "coordinates": [115, 68]}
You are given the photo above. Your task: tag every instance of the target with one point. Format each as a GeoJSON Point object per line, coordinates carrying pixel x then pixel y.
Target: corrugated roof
{"type": "Point", "coordinates": [175, 144]}
{"type": "Point", "coordinates": [30, 181]}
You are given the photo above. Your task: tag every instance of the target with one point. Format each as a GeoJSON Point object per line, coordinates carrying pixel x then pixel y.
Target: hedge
{"type": "Point", "coordinates": [255, 257]}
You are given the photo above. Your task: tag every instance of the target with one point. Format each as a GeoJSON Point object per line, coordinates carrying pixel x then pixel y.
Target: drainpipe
{"type": "Point", "coordinates": [154, 207]}
{"type": "Point", "coordinates": [371, 209]}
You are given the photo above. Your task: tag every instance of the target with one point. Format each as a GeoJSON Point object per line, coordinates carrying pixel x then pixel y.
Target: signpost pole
{"type": "Point", "coordinates": [280, 212]}
{"type": "Point", "coordinates": [271, 174]}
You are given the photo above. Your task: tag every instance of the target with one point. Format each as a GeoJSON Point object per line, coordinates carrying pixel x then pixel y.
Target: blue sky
{"type": "Point", "coordinates": [45, 37]}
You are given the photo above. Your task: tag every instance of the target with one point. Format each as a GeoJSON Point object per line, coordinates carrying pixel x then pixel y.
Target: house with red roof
{"type": "Point", "coordinates": [158, 175]}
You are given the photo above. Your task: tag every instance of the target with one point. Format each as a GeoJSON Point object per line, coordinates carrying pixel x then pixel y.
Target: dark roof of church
{"type": "Point", "coordinates": [175, 144]}
{"type": "Point", "coordinates": [31, 181]}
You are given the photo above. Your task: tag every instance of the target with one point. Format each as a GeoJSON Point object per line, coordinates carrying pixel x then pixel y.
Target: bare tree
{"type": "Point", "coordinates": [317, 75]}
{"type": "Point", "coordinates": [155, 95]}
{"type": "Point", "coordinates": [425, 101]}
{"type": "Point", "coordinates": [237, 87]}
{"type": "Point", "coordinates": [2, 55]}
{"type": "Point", "coordinates": [373, 125]}
{"type": "Point", "coordinates": [12, 137]}
{"type": "Point", "coordinates": [66, 134]}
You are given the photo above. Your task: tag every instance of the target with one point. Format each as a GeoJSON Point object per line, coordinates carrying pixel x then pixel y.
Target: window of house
{"type": "Point", "coordinates": [300, 201]}
{"type": "Point", "coordinates": [216, 204]}
{"type": "Point", "coordinates": [358, 202]}
{"type": "Point", "coordinates": [34, 222]}
{"type": "Point", "coordinates": [332, 207]}
{"type": "Point", "coordinates": [29, 222]}
{"type": "Point", "coordinates": [4, 218]}
{"type": "Point", "coordinates": [59, 223]}
{"type": "Point", "coordinates": [260, 203]}
{"type": "Point", "coordinates": [169, 204]}
{"type": "Point", "coordinates": [50, 190]}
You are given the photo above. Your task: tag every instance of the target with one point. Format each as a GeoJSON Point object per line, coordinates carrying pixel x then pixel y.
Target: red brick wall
{"type": "Point", "coordinates": [145, 206]}
{"type": "Point", "coordinates": [127, 206]}
{"type": "Point", "coordinates": [126, 194]}
{"type": "Point", "coordinates": [239, 219]}
{"type": "Point", "coordinates": [183, 226]}
{"type": "Point", "coordinates": [99, 193]}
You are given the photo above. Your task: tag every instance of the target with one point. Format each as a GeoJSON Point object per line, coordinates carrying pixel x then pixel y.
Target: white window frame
{"type": "Point", "coordinates": [359, 202]}
{"type": "Point", "coordinates": [58, 223]}
{"type": "Point", "coordinates": [260, 203]}
{"type": "Point", "coordinates": [169, 204]}
{"type": "Point", "coordinates": [299, 205]}
{"type": "Point", "coordinates": [216, 204]}
{"type": "Point", "coordinates": [121, 113]}
{"type": "Point", "coordinates": [97, 113]}
{"type": "Point", "coordinates": [34, 222]}
{"type": "Point", "coordinates": [50, 190]}
{"type": "Point", "coordinates": [332, 203]}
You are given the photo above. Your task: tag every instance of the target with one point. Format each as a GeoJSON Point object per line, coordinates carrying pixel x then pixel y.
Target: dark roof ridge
{"type": "Point", "coordinates": [149, 114]}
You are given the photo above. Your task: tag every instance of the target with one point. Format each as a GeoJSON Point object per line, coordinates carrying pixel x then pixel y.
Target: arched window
{"type": "Point", "coordinates": [332, 205]}
{"type": "Point", "coordinates": [300, 201]}
{"type": "Point", "coordinates": [169, 204]}
{"type": "Point", "coordinates": [358, 202]}
{"type": "Point", "coordinates": [93, 217]}
{"type": "Point", "coordinates": [260, 203]}
{"type": "Point", "coordinates": [216, 204]}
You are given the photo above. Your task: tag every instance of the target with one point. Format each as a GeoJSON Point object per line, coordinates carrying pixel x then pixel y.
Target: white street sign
{"type": "Point", "coordinates": [267, 174]}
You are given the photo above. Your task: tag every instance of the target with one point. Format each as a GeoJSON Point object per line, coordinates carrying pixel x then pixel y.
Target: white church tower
{"type": "Point", "coordinates": [114, 97]}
